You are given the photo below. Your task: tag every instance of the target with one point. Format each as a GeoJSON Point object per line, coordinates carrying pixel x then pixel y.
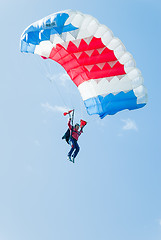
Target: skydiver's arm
{"type": "Point", "coordinates": [69, 124]}
{"type": "Point", "coordinates": [81, 131]}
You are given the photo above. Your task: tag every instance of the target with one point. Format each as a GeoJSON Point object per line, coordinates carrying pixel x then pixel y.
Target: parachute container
{"type": "Point", "coordinates": [96, 61]}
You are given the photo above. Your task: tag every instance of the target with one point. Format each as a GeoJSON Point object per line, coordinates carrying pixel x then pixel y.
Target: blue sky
{"type": "Point", "coordinates": [114, 189]}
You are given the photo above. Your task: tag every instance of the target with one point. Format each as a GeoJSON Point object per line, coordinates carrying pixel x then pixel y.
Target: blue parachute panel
{"type": "Point", "coordinates": [112, 104]}
{"type": "Point", "coordinates": [39, 32]}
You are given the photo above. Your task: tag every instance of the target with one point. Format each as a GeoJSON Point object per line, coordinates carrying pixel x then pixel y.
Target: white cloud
{"type": "Point", "coordinates": [160, 222]}
{"type": "Point", "coordinates": [129, 124]}
{"type": "Point", "coordinates": [100, 123]}
{"type": "Point", "coordinates": [37, 143]}
{"type": "Point", "coordinates": [29, 168]}
{"type": "Point", "coordinates": [55, 108]}
{"type": "Point", "coordinates": [120, 134]}
{"type": "Point", "coordinates": [62, 78]}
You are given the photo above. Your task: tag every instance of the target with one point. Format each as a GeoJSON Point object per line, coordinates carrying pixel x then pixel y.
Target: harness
{"type": "Point", "coordinates": [68, 134]}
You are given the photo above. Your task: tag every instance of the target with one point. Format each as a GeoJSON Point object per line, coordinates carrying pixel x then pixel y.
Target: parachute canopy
{"type": "Point", "coordinates": [96, 61]}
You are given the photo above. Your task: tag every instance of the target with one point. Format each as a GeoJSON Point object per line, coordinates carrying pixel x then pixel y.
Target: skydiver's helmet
{"type": "Point", "coordinates": [77, 124]}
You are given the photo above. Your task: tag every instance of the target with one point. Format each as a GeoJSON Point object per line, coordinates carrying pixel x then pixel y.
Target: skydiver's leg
{"type": "Point", "coordinates": [77, 148]}
{"type": "Point", "coordinates": [72, 148]}
{"type": "Point", "coordinates": [71, 151]}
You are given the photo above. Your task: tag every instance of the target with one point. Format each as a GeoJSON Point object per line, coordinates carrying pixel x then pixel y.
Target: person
{"type": "Point", "coordinates": [75, 134]}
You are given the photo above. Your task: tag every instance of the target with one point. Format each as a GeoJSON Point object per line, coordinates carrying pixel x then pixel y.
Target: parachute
{"type": "Point", "coordinates": [96, 61]}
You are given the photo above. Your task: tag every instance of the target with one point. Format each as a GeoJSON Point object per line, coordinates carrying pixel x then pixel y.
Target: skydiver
{"type": "Point", "coordinates": [72, 134]}
{"type": "Point", "coordinates": [74, 140]}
